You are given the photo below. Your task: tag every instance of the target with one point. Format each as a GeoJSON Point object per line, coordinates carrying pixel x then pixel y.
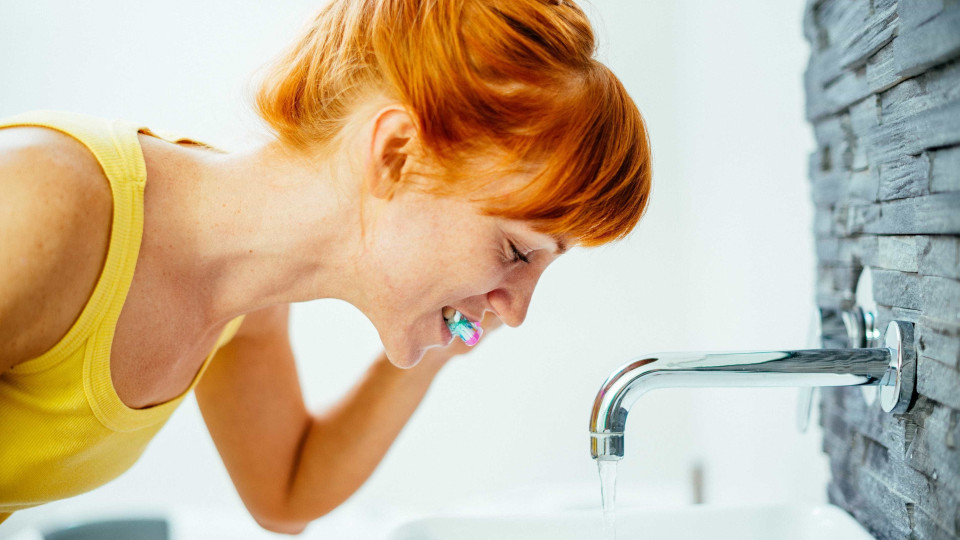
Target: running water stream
{"type": "Point", "coordinates": [608, 492]}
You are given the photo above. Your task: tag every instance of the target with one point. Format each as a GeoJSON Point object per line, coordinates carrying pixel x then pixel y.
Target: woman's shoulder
{"type": "Point", "coordinates": [55, 217]}
{"type": "Point", "coordinates": [46, 150]}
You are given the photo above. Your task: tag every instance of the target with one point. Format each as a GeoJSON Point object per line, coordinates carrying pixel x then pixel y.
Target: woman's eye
{"type": "Point", "coordinates": [517, 256]}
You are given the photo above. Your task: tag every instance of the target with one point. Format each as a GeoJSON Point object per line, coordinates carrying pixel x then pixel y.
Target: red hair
{"type": "Point", "coordinates": [515, 76]}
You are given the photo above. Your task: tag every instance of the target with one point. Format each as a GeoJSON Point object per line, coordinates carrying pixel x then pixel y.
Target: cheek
{"type": "Point", "coordinates": [479, 278]}
{"type": "Point", "coordinates": [438, 256]}
{"type": "Point", "coordinates": [410, 282]}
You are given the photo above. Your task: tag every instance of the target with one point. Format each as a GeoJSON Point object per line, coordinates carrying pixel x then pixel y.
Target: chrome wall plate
{"type": "Point", "coordinates": [859, 331]}
{"type": "Point", "coordinates": [898, 384]}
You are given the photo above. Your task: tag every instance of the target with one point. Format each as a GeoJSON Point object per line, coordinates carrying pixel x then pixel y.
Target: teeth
{"type": "Point", "coordinates": [462, 327]}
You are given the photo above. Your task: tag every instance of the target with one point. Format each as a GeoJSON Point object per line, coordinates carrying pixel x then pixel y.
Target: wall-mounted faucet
{"type": "Point", "coordinates": [891, 368]}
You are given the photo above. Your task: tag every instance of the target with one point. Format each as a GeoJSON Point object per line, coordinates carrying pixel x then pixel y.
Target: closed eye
{"type": "Point", "coordinates": [517, 256]}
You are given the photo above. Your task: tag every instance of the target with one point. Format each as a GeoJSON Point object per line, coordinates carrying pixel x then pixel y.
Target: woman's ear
{"type": "Point", "coordinates": [394, 134]}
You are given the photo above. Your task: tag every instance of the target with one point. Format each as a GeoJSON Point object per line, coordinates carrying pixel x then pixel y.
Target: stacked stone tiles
{"type": "Point", "coordinates": [883, 96]}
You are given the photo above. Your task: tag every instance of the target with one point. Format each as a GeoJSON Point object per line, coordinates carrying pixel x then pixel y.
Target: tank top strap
{"type": "Point", "coordinates": [112, 142]}
{"type": "Point", "coordinates": [116, 148]}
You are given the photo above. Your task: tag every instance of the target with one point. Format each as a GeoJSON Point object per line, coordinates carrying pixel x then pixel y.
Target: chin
{"type": "Point", "coordinates": [405, 347]}
{"type": "Point", "coordinates": [404, 357]}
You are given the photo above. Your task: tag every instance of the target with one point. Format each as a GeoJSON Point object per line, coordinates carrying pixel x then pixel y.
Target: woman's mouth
{"type": "Point", "coordinates": [460, 326]}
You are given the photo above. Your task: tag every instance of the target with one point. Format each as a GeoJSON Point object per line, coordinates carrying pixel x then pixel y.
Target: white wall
{"type": "Point", "coordinates": [748, 235]}
{"type": "Point", "coordinates": [723, 260]}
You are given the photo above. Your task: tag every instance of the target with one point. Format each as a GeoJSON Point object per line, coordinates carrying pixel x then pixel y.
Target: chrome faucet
{"type": "Point", "coordinates": [890, 368]}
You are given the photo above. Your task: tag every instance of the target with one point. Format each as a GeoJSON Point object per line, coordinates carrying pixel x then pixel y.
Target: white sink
{"type": "Point", "coordinates": [715, 522]}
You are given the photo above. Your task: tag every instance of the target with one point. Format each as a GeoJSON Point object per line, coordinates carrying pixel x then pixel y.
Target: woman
{"type": "Point", "coordinates": [430, 157]}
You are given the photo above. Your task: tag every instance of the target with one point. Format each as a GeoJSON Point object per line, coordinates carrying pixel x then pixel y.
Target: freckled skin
{"type": "Point", "coordinates": [417, 252]}
{"type": "Point", "coordinates": [429, 252]}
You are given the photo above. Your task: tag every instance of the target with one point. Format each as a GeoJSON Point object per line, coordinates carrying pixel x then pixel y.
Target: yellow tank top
{"type": "Point", "coordinates": [63, 428]}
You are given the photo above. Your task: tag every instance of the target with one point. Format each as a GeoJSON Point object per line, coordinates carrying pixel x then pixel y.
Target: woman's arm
{"type": "Point", "coordinates": [251, 402]}
{"type": "Point", "coordinates": [345, 443]}
{"type": "Point", "coordinates": [289, 466]}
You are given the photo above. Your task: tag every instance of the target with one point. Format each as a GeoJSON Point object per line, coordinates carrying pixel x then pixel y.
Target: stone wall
{"type": "Point", "coordinates": [883, 96]}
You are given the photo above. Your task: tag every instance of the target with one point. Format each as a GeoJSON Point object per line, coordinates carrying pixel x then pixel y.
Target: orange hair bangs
{"type": "Point", "coordinates": [515, 76]}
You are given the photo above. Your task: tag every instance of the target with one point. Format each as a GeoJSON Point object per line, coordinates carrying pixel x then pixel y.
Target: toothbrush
{"type": "Point", "coordinates": [463, 328]}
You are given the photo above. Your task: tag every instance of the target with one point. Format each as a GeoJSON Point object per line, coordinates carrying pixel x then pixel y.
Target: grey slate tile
{"type": "Point", "coordinates": [899, 253]}
{"type": "Point", "coordinates": [945, 169]}
{"type": "Point", "coordinates": [940, 298]}
{"type": "Point", "coordinates": [894, 288]}
{"type": "Point", "coordinates": [932, 214]}
{"type": "Point", "coordinates": [932, 42]}
{"type": "Point", "coordinates": [939, 340]}
{"type": "Point", "coordinates": [938, 381]}
{"type": "Point", "coordinates": [906, 177]}
{"type": "Point", "coordinates": [939, 256]}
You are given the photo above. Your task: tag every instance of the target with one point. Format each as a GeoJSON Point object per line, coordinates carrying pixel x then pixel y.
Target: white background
{"type": "Point", "coordinates": [723, 260]}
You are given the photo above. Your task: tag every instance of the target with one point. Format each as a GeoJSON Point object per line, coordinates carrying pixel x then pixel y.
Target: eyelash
{"type": "Point", "coordinates": [517, 256]}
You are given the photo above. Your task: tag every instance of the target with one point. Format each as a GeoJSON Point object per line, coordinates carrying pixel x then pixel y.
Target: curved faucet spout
{"type": "Point", "coordinates": [816, 367]}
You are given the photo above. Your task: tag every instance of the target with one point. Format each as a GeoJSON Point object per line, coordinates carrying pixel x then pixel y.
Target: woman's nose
{"type": "Point", "coordinates": [511, 301]}
{"type": "Point", "coordinates": [510, 307]}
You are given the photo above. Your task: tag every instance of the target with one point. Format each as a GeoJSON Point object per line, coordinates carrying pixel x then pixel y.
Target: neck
{"type": "Point", "coordinates": [251, 229]}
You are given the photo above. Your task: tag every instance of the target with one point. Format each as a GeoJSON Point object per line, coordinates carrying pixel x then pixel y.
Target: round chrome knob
{"type": "Point", "coordinates": [897, 385]}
